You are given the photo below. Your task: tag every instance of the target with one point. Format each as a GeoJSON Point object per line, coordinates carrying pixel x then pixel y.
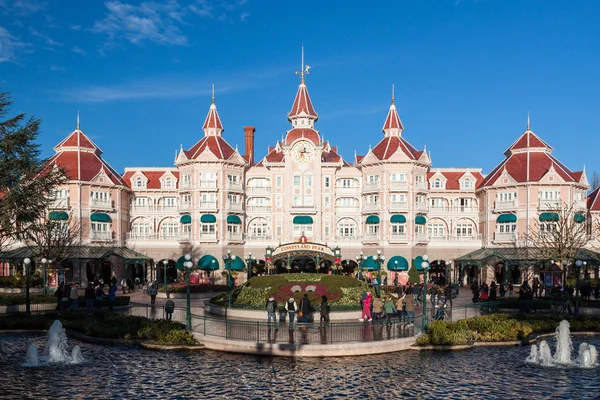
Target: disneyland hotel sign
{"type": "Point", "coordinates": [303, 247]}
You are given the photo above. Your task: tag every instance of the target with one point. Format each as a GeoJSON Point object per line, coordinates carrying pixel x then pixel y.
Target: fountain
{"type": "Point", "coordinates": [55, 351]}
{"type": "Point", "coordinates": [587, 356]}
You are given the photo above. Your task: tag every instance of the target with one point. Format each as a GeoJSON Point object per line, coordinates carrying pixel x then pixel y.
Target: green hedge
{"type": "Point", "coordinates": [14, 299]}
{"type": "Point", "coordinates": [17, 281]}
{"type": "Point", "coordinates": [106, 325]}
{"type": "Point", "coordinates": [499, 328]}
{"type": "Point", "coordinates": [195, 288]}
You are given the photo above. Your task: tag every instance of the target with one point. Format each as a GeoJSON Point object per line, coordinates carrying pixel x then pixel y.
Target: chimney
{"type": "Point", "coordinates": [249, 152]}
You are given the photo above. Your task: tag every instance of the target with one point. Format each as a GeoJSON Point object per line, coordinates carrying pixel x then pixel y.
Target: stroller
{"type": "Point", "coordinates": [441, 313]}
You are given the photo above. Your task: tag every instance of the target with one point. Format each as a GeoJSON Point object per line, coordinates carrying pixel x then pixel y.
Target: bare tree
{"type": "Point", "coordinates": [594, 181]}
{"type": "Point", "coordinates": [561, 234]}
{"type": "Point", "coordinates": [51, 239]}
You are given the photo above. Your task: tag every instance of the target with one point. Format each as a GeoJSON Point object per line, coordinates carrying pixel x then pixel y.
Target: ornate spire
{"type": "Point", "coordinates": [212, 125]}
{"type": "Point", "coordinates": [528, 121]}
{"type": "Point", "coordinates": [302, 113]}
{"type": "Point", "coordinates": [78, 122]}
{"type": "Point", "coordinates": [392, 125]}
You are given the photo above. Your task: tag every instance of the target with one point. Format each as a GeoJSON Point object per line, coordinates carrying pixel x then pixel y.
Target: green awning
{"type": "Point", "coordinates": [303, 220]}
{"type": "Point", "coordinates": [100, 217]}
{"type": "Point", "coordinates": [420, 220]}
{"type": "Point", "coordinates": [372, 219]}
{"type": "Point", "coordinates": [397, 263]}
{"type": "Point", "coordinates": [234, 219]}
{"type": "Point", "coordinates": [506, 218]}
{"type": "Point", "coordinates": [208, 263]}
{"type": "Point", "coordinates": [179, 264]}
{"type": "Point", "coordinates": [549, 217]}
{"type": "Point", "coordinates": [208, 219]}
{"type": "Point", "coordinates": [238, 264]}
{"type": "Point", "coordinates": [398, 219]}
{"type": "Point", "coordinates": [58, 216]}
{"type": "Point", "coordinates": [185, 219]}
{"type": "Point", "coordinates": [417, 263]}
{"type": "Point", "coordinates": [369, 264]}
{"type": "Point", "coordinates": [579, 218]}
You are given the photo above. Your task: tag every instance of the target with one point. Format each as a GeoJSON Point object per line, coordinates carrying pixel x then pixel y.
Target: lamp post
{"type": "Point", "coordinates": [27, 261]}
{"type": "Point", "coordinates": [337, 259]}
{"type": "Point", "coordinates": [564, 264]}
{"type": "Point", "coordinates": [378, 258]}
{"type": "Point", "coordinates": [250, 262]}
{"type": "Point", "coordinates": [578, 265]}
{"type": "Point", "coordinates": [448, 272]}
{"type": "Point", "coordinates": [268, 259]}
{"type": "Point", "coordinates": [425, 266]}
{"type": "Point", "coordinates": [229, 258]}
{"type": "Point", "coordinates": [360, 259]}
{"type": "Point", "coordinates": [188, 264]}
{"type": "Point", "coordinates": [212, 271]}
{"type": "Point", "coordinates": [165, 263]}
{"type": "Point", "coordinates": [44, 264]}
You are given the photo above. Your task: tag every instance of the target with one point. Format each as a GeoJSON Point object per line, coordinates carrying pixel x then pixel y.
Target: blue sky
{"type": "Point", "coordinates": [466, 73]}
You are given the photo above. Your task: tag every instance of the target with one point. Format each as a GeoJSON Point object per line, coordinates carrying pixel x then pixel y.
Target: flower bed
{"type": "Point", "coordinates": [499, 328]}
{"type": "Point", "coordinates": [342, 292]}
{"type": "Point", "coordinates": [107, 326]}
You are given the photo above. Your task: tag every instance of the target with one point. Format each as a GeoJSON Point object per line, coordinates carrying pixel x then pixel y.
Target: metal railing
{"type": "Point", "coordinates": [282, 331]}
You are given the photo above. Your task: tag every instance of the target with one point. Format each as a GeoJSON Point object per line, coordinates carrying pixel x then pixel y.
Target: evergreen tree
{"type": "Point", "coordinates": [27, 183]}
{"type": "Point", "coordinates": [413, 274]}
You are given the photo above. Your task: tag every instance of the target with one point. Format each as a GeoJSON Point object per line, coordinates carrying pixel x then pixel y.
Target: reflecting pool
{"type": "Point", "coordinates": [117, 372]}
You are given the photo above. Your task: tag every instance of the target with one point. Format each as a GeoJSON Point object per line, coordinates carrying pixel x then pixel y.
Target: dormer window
{"type": "Point", "coordinates": [168, 183]}
{"type": "Point", "coordinates": [467, 184]}
{"type": "Point", "coordinates": [139, 183]}
{"type": "Point", "coordinates": [437, 183]}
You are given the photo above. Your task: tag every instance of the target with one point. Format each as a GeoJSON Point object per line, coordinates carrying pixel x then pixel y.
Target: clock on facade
{"type": "Point", "coordinates": [302, 152]}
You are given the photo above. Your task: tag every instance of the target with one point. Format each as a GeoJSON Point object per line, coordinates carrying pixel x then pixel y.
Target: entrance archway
{"type": "Point", "coordinates": [348, 267]}
{"type": "Point", "coordinates": [171, 271]}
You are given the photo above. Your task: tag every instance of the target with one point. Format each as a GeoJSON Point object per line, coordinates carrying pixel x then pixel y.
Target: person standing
{"type": "Point", "coordinates": [74, 297]}
{"type": "Point", "coordinates": [89, 297]}
{"type": "Point", "coordinates": [169, 308]}
{"type": "Point", "coordinates": [409, 307]}
{"type": "Point", "coordinates": [493, 289]}
{"type": "Point", "coordinates": [304, 309]}
{"type": "Point", "coordinates": [271, 307]}
{"type": "Point", "coordinates": [511, 289]}
{"type": "Point", "coordinates": [112, 297]}
{"type": "Point", "coordinates": [124, 284]}
{"type": "Point", "coordinates": [324, 310]}
{"type": "Point", "coordinates": [448, 294]}
{"type": "Point", "coordinates": [366, 307]}
{"type": "Point", "coordinates": [378, 308]}
{"type": "Point", "coordinates": [58, 294]}
{"type": "Point", "coordinates": [152, 291]}
{"type": "Point", "coordinates": [291, 308]}
{"type": "Point", "coordinates": [390, 309]}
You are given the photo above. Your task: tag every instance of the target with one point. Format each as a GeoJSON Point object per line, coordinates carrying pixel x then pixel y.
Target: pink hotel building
{"type": "Point", "coordinates": [216, 199]}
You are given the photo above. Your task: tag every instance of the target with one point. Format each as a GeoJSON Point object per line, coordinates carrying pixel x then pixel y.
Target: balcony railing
{"type": "Point", "coordinates": [155, 236]}
{"type": "Point", "coordinates": [452, 209]}
{"type": "Point", "coordinates": [505, 237]}
{"type": "Point", "coordinates": [234, 185]}
{"type": "Point", "coordinates": [185, 206]}
{"type": "Point", "coordinates": [371, 206]}
{"type": "Point", "coordinates": [370, 237]}
{"type": "Point", "coordinates": [421, 237]}
{"type": "Point", "coordinates": [171, 208]}
{"type": "Point", "coordinates": [579, 205]}
{"type": "Point", "coordinates": [61, 203]}
{"type": "Point", "coordinates": [346, 209]}
{"type": "Point", "coordinates": [208, 236]}
{"type": "Point", "coordinates": [421, 186]}
{"type": "Point", "coordinates": [398, 185]}
{"type": "Point", "coordinates": [259, 189]}
{"type": "Point", "coordinates": [421, 207]}
{"type": "Point", "coordinates": [303, 209]}
{"type": "Point", "coordinates": [135, 209]}
{"type": "Point", "coordinates": [185, 236]}
{"type": "Point", "coordinates": [258, 237]}
{"type": "Point", "coordinates": [100, 203]}
{"type": "Point", "coordinates": [399, 206]}
{"type": "Point", "coordinates": [100, 236]}
{"type": "Point", "coordinates": [185, 185]}
{"type": "Point", "coordinates": [259, 209]}
{"type": "Point", "coordinates": [347, 238]}
{"type": "Point", "coordinates": [399, 237]}
{"type": "Point", "coordinates": [208, 205]}
{"type": "Point", "coordinates": [370, 186]}
{"type": "Point", "coordinates": [234, 206]}
{"type": "Point", "coordinates": [550, 205]}
{"type": "Point", "coordinates": [208, 184]}
{"type": "Point", "coordinates": [234, 236]}
{"type": "Point", "coordinates": [505, 205]}
{"type": "Point", "coordinates": [346, 189]}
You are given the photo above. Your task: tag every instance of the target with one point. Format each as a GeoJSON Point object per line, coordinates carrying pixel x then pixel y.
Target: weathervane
{"type": "Point", "coordinates": [303, 68]}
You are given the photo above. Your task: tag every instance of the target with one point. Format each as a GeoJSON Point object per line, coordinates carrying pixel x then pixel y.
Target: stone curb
{"type": "Point", "coordinates": [152, 346]}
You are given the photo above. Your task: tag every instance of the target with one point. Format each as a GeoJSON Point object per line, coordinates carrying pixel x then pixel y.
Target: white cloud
{"type": "Point", "coordinates": [22, 7]}
{"type": "Point", "coordinates": [10, 46]}
{"type": "Point", "coordinates": [49, 41]}
{"type": "Point", "coordinates": [57, 68]}
{"type": "Point", "coordinates": [244, 15]}
{"type": "Point", "coordinates": [78, 50]}
{"type": "Point", "coordinates": [159, 21]}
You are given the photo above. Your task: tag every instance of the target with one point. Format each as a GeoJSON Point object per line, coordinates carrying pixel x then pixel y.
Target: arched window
{"type": "Point", "coordinates": [346, 228]}
{"type": "Point", "coordinates": [168, 183]}
{"type": "Point", "coordinates": [467, 184]}
{"type": "Point", "coordinates": [437, 183]}
{"type": "Point", "coordinates": [139, 182]}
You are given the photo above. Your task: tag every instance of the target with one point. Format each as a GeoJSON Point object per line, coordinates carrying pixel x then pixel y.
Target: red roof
{"type": "Point", "coordinates": [212, 119]}
{"type": "Point", "coordinates": [528, 140]}
{"type": "Point", "coordinates": [273, 156]}
{"type": "Point", "coordinates": [91, 166]}
{"type": "Point", "coordinates": [331, 155]}
{"type": "Point", "coordinates": [302, 104]}
{"type": "Point", "coordinates": [392, 121]}
{"type": "Point", "coordinates": [593, 200]}
{"type": "Point", "coordinates": [215, 144]}
{"type": "Point", "coordinates": [389, 145]}
{"type": "Point", "coordinates": [78, 138]}
{"type": "Point", "coordinates": [153, 177]}
{"type": "Point", "coordinates": [305, 133]}
{"type": "Point", "coordinates": [453, 178]}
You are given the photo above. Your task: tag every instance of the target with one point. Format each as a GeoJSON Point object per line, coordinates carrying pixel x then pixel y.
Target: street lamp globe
{"type": "Point", "coordinates": [379, 251]}
{"type": "Point", "coordinates": [44, 261]}
{"type": "Point", "coordinates": [579, 263]}
{"type": "Point", "coordinates": [27, 261]}
{"type": "Point", "coordinates": [233, 257]}
{"type": "Point", "coordinates": [425, 257]}
{"type": "Point", "coordinates": [249, 254]}
{"type": "Point", "coordinates": [374, 256]}
{"type": "Point", "coordinates": [188, 257]}
{"type": "Point", "coordinates": [364, 257]}
{"type": "Point", "coordinates": [382, 257]}
{"type": "Point", "coordinates": [228, 251]}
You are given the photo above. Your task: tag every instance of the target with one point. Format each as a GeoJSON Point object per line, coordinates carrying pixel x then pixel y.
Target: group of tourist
{"type": "Point", "coordinates": [303, 310]}
{"type": "Point", "coordinates": [484, 292]}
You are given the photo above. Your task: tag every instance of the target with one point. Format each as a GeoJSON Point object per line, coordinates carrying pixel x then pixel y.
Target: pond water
{"type": "Point", "coordinates": [120, 372]}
